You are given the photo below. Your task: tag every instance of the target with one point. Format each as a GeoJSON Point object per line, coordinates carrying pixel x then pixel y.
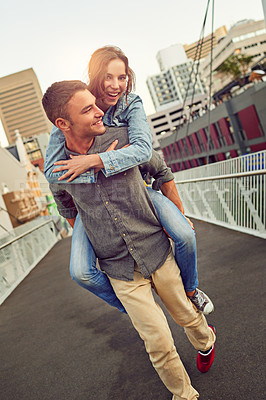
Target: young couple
{"type": "Point", "coordinates": [116, 216]}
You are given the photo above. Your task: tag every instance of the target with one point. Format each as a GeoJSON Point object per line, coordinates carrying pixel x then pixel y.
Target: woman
{"type": "Point", "coordinates": [111, 82]}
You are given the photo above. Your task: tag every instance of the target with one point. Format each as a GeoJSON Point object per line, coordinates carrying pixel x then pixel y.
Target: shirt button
{"type": "Point", "coordinates": [124, 234]}
{"type": "Point", "coordinates": [98, 185]}
{"type": "Point", "coordinates": [125, 173]}
{"type": "Point", "coordinates": [106, 202]}
{"type": "Point", "coordinates": [115, 219]}
{"type": "Point", "coordinates": [111, 167]}
{"type": "Point", "coordinates": [131, 249]}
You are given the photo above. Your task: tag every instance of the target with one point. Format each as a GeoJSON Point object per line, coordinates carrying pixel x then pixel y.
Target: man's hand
{"type": "Point", "coordinates": [167, 233]}
{"type": "Point", "coordinates": [71, 221]}
{"type": "Point", "coordinates": [190, 223]}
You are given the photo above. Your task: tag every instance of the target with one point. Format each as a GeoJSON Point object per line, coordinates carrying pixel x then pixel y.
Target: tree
{"type": "Point", "coordinates": [237, 65]}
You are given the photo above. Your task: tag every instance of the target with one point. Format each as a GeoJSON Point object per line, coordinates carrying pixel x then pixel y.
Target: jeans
{"type": "Point", "coordinates": [183, 237]}
{"type": "Point", "coordinates": [83, 268]}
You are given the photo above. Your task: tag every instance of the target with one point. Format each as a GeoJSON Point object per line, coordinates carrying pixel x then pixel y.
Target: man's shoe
{"type": "Point", "coordinates": [202, 302]}
{"type": "Point", "coordinates": [206, 358]}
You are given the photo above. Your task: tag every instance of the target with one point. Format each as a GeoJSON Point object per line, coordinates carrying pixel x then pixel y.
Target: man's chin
{"type": "Point", "coordinates": [102, 131]}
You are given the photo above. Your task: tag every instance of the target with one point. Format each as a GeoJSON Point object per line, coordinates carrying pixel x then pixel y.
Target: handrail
{"type": "Point", "coordinates": [230, 193]}
{"type": "Point", "coordinates": [219, 177]}
{"type": "Point", "coordinates": [22, 253]}
{"type": "Point", "coordinates": [25, 233]}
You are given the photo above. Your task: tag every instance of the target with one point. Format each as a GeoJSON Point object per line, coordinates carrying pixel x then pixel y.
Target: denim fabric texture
{"type": "Point", "coordinates": [83, 268]}
{"type": "Point", "coordinates": [127, 112]}
{"type": "Point", "coordinates": [182, 235]}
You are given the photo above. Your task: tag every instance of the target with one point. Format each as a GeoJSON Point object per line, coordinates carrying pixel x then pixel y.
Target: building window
{"type": "Point", "coordinates": [36, 155]}
{"type": "Point", "coordinates": [260, 32]}
{"type": "Point", "coordinates": [241, 129]}
{"type": "Point", "coordinates": [230, 128]}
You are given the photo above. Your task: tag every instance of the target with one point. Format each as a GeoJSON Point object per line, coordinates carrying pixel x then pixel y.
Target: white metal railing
{"type": "Point", "coordinates": [230, 193]}
{"type": "Point", "coordinates": [19, 255]}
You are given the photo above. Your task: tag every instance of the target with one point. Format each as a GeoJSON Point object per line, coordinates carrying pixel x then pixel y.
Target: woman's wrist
{"type": "Point", "coordinates": [95, 161]}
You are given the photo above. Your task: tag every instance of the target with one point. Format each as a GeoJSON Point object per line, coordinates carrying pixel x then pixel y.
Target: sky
{"type": "Point", "coordinates": [57, 37]}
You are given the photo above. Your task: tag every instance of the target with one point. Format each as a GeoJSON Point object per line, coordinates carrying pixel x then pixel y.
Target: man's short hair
{"type": "Point", "coordinates": [57, 96]}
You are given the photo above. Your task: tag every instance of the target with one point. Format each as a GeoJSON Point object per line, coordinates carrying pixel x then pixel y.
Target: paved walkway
{"type": "Point", "coordinates": [58, 342]}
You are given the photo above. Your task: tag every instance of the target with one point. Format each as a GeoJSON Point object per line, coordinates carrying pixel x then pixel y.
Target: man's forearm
{"type": "Point", "coordinates": [169, 190]}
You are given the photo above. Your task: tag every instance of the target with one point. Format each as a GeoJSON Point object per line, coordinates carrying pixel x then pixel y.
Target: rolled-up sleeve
{"type": "Point", "coordinates": [64, 201]}
{"type": "Point", "coordinates": [157, 168]}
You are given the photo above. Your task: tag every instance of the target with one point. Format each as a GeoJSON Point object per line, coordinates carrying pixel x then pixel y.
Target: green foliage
{"type": "Point", "coordinates": [236, 66]}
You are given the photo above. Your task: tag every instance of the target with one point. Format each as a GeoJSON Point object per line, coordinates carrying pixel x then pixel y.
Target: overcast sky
{"type": "Point", "coordinates": [57, 37]}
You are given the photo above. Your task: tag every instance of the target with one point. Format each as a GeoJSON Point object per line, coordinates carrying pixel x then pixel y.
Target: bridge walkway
{"type": "Point", "coordinates": [60, 342]}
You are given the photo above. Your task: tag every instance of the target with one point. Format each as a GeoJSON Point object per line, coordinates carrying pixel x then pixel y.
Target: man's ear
{"type": "Point", "coordinates": [62, 124]}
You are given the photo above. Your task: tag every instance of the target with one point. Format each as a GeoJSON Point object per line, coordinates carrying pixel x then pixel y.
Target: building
{"type": "Point", "coordinates": [23, 189]}
{"type": "Point", "coordinates": [206, 43]}
{"type": "Point", "coordinates": [264, 8]}
{"type": "Point", "coordinates": [35, 147]}
{"type": "Point", "coordinates": [168, 120]}
{"type": "Point", "coordinates": [175, 83]}
{"type": "Point", "coordinates": [21, 107]}
{"type": "Point", "coordinates": [246, 37]}
{"type": "Point", "coordinates": [170, 56]}
{"type": "Point", "coordinates": [237, 127]}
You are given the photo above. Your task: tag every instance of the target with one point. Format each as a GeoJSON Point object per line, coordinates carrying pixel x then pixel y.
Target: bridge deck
{"type": "Point", "coordinates": [60, 342]}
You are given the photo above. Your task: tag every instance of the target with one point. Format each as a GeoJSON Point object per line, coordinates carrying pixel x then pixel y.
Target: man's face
{"type": "Point", "coordinates": [85, 116]}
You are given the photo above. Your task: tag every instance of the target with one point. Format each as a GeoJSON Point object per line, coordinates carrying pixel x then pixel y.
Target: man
{"type": "Point", "coordinates": [129, 242]}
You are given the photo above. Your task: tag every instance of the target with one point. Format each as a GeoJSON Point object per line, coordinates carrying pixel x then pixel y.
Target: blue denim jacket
{"type": "Point", "coordinates": [128, 113]}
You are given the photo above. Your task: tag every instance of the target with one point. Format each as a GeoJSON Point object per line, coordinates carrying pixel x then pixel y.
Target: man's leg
{"type": "Point", "coordinates": [168, 285]}
{"type": "Point", "coordinates": [151, 324]}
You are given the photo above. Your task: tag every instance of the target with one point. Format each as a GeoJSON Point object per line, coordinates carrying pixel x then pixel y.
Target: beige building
{"type": "Point", "coordinates": [245, 37]}
{"type": "Point", "coordinates": [191, 49]}
{"type": "Point", "coordinates": [21, 107]}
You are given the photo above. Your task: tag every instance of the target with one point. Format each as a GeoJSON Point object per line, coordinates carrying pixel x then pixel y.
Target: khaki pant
{"type": "Point", "coordinates": [151, 324]}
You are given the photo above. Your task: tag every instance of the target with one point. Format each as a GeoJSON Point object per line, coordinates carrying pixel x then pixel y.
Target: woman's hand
{"type": "Point", "coordinates": [79, 164]}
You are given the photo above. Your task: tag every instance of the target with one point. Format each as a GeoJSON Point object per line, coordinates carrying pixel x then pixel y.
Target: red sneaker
{"type": "Point", "coordinates": [205, 360]}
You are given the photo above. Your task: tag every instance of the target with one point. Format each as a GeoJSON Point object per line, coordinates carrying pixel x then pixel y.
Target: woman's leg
{"type": "Point", "coordinates": [183, 236]}
{"type": "Point", "coordinates": [83, 268]}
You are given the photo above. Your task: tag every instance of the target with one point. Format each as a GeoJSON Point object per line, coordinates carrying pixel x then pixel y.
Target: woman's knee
{"type": "Point", "coordinates": [184, 237]}
{"type": "Point", "coordinates": [188, 235]}
{"type": "Point", "coordinates": [89, 276]}
{"type": "Point", "coordinates": [76, 274]}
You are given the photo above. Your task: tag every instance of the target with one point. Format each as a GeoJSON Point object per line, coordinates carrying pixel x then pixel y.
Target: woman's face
{"type": "Point", "coordinates": [115, 82]}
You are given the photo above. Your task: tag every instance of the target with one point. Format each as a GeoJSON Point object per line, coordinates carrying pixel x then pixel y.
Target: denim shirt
{"type": "Point", "coordinates": [127, 112]}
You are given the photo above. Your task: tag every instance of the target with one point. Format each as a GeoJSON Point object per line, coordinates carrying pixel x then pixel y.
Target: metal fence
{"type": "Point", "coordinates": [229, 193]}
{"type": "Point", "coordinates": [18, 256]}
